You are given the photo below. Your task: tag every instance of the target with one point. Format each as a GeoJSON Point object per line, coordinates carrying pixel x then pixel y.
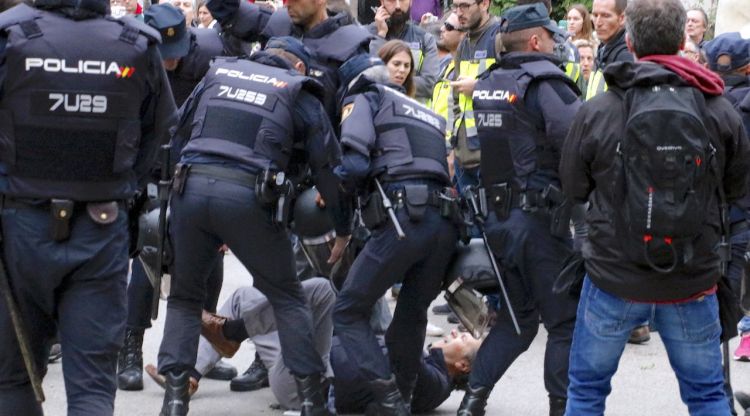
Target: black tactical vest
{"type": "Point", "coordinates": [410, 138]}
{"type": "Point", "coordinates": [72, 97]}
{"type": "Point", "coordinates": [331, 43]}
{"type": "Point", "coordinates": [513, 141]}
{"type": "Point", "coordinates": [245, 113]}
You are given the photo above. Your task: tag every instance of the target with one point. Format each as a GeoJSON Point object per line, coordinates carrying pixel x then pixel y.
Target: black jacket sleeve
{"type": "Point", "coordinates": [323, 154]}
{"type": "Point", "coordinates": [158, 115]}
{"type": "Point", "coordinates": [240, 19]}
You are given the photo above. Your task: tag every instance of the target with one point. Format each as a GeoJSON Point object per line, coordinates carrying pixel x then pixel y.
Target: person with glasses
{"type": "Point", "coordinates": [392, 22]}
{"type": "Point", "coordinates": [442, 94]}
{"type": "Point", "coordinates": [475, 54]}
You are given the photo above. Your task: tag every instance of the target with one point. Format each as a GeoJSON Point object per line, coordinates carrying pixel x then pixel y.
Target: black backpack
{"type": "Point", "coordinates": [666, 175]}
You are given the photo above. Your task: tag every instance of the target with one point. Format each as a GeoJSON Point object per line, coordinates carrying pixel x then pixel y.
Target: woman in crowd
{"type": "Point", "coordinates": [397, 57]}
{"type": "Point", "coordinates": [205, 20]}
{"type": "Point", "coordinates": [580, 25]}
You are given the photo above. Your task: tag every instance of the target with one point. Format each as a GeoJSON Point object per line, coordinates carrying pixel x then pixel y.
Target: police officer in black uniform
{"type": "Point", "coordinates": [186, 54]}
{"type": "Point", "coordinates": [237, 134]}
{"type": "Point", "coordinates": [82, 117]}
{"type": "Point", "coordinates": [523, 107]}
{"type": "Point", "coordinates": [390, 137]}
{"type": "Point", "coordinates": [186, 51]}
{"type": "Point", "coordinates": [331, 38]}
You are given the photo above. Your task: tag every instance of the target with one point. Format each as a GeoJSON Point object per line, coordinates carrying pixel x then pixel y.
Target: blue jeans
{"type": "Point", "coordinates": [690, 332]}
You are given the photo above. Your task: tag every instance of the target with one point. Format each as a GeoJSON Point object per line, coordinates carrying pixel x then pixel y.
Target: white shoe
{"type": "Point", "coordinates": [434, 330]}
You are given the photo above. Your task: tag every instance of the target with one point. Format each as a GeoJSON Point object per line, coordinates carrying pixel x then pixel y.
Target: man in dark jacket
{"type": "Point", "coordinates": [444, 367]}
{"type": "Point", "coordinates": [609, 22]}
{"type": "Point", "coordinates": [621, 290]}
{"type": "Point", "coordinates": [392, 22]}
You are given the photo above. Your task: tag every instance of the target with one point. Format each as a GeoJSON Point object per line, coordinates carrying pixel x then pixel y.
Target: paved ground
{"type": "Point", "coordinates": [644, 384]}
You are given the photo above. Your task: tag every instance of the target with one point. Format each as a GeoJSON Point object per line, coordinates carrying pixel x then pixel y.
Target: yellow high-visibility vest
{"type": "Point", "coordinates": [597, 85]}
{"type": "Point", "coordinates": [442, 99]}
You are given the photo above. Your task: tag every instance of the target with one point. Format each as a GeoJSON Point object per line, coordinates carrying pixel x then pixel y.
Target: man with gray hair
{"type": "Point", "coordinates": [644, 259]}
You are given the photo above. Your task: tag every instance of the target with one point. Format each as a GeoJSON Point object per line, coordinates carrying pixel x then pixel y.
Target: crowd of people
{"type": "Point", "coordinates": [597, 167]}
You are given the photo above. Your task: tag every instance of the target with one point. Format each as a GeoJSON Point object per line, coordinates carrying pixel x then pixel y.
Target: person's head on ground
{"type": "Point", "coordinates": [459, 350]}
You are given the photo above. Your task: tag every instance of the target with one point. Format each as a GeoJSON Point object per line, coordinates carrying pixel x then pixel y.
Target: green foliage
{"type": "Point", "coordinates": [558, 11]}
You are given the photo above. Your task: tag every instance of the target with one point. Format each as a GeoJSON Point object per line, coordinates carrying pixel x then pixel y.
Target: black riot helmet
{"type": "Point", "coordinates": [310, 220]}
{"type": "Point", "coordinates": [472, 264]}
{"type": "Point", "coordinates": [316, 233]}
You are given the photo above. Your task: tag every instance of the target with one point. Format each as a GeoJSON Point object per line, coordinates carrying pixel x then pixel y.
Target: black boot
{"type": "Point", "coordinates": [474, 402]}
{"type": "Point", "coordinates": [176, 395]}
{"type": "Point", "coordinates": [388, 400]}
{"type": "Point", "coordinates": [557, 406]}
{"type": "Point", "coordinates": [130, 361]}
{"type": "Point", "coordinates": [254, 378]}
{"type": "Point", "coordinates": [312, 396]}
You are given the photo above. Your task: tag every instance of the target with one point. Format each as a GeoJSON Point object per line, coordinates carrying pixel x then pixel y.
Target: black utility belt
{"type": "Point", "coordinates": [272, 188]}
{"type": "Point", "coordinates": [502, 197]}
{"type": "Point", "coordinates": [414, 198]}
{"type": "Point", "coordinates": [233, 175]}
{"type": "Point", "coordinates": [62, 210]}
{"type": "Point", "coordinates": [550, 201]}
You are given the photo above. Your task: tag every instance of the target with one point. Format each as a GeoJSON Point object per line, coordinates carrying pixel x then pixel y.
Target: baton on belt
{"type": "Point", "coordinates": [478, 214]}
{"type": "Point", "coordinates": [391, 213]}
{"type": "Point", "coordinates": [164, 186]}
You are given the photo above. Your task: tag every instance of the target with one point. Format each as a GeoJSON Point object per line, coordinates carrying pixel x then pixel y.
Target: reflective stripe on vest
{"type": "Point", "coordinates": [418, 56]}
{"type": "Point", "coordinates": [442, 100]}
{"type": "Point", "coordinates": [471, 68]}
{"type": "Point", "coordinates": [597, 85]}
{"type": "Point", "coordinates": [573, 70]}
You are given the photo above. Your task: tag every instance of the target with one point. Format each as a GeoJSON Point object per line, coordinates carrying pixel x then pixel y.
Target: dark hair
{"type": "Point", "coordinates": [389, 50]}
{"type": "Point", "coordinates": [518, 40]}
{"type": "Point", "coordinates": [655, 27]}
{"type": "Point", "coordinates": [703, 15]}
{"type": "Point", "coordinates": [620, 6]}
{"type": "Point", "coordinates": [587, 26]}
{"type": "Point", "coordinates": [547, 3]}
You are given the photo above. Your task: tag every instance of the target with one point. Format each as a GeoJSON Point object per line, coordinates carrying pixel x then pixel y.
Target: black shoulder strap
{"type": "Point", "coordinates": [129, 34]}
{"type": "Point", "coordinates": [30, 29]}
